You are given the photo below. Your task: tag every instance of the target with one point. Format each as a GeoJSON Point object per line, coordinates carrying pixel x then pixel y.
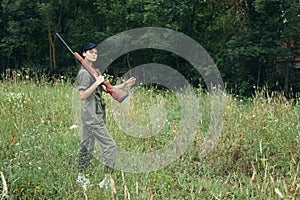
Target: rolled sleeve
{"type": "Point", "coordinates": [84, 80]}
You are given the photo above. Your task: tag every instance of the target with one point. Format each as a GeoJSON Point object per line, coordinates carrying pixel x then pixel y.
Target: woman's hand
{"type": "Point", "coordinates": [99, 79]}
{"type": "Point", "coordinates": [86, 93]}
{"type": "Point", "coordinates": [127, 83]}
{"type": "Point", "coordinates": [130, 82]}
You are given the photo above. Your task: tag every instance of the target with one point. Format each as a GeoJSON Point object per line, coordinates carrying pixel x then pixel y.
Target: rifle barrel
{"type": "Point", "coordinates": [62, 40]}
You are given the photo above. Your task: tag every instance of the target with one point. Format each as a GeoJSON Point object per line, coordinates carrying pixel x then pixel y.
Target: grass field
{"type": "Point", "coordinates": [257, 155]}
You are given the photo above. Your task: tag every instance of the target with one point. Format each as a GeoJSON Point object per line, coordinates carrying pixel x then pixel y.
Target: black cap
{"type": "Point", "coordinates": [88, 46]}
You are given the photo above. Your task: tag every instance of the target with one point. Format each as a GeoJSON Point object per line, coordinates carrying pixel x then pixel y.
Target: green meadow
{"type": "Point", "coordinates": [256, 156]}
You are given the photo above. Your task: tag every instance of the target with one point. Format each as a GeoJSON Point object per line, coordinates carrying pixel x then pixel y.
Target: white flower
{"type": "Point", "coordinates": [74, 126]}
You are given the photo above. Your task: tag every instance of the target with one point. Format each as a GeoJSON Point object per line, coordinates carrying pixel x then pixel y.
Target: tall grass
{"type": "Point", "coordinates": [257, 155]}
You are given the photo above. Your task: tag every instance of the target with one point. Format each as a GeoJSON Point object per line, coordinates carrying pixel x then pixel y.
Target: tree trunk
{"type": "Point", "coordinates": [258, 76]}
{"type": "Point", "coordinates": [52, 58]}
{"type": "Point", "coordinates": [286, 78]}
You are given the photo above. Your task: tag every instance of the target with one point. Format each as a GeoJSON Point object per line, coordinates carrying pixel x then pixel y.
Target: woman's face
{"type": "Point", "coordinates": [91, 55]}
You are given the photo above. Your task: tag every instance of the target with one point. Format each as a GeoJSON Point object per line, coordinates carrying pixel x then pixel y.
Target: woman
{"type": "Point", "coordinates": [93, 119]}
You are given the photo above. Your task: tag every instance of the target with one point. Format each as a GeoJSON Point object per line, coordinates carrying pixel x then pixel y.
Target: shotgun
{"type": "Point", "coordinates": [115, 92]}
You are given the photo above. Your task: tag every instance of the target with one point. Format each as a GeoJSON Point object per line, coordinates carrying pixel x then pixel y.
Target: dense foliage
{"type": "Point", "coordinates": [245, 38]}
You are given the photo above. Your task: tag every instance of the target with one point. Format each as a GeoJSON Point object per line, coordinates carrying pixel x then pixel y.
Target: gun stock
{"type": "Point", "coordinates": [116, 93]}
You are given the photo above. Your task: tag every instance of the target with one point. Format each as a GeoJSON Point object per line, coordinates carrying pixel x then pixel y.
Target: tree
{"type": "Point", "coordinates": [21, 34]}
{"type": "Point", "coordinates": [246, 38]}
{"type": "Point", "coordinates": [254, 51]}
{"type": "Point", "coordinates": [289, 38]}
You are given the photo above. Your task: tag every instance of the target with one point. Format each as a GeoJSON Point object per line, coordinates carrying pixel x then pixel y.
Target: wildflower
{"type": "Point", "coordinates": [74, 126]}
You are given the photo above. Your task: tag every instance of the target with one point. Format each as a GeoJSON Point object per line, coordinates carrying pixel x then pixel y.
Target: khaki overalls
{"type": "Point", "coordinates": [94, 126]}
